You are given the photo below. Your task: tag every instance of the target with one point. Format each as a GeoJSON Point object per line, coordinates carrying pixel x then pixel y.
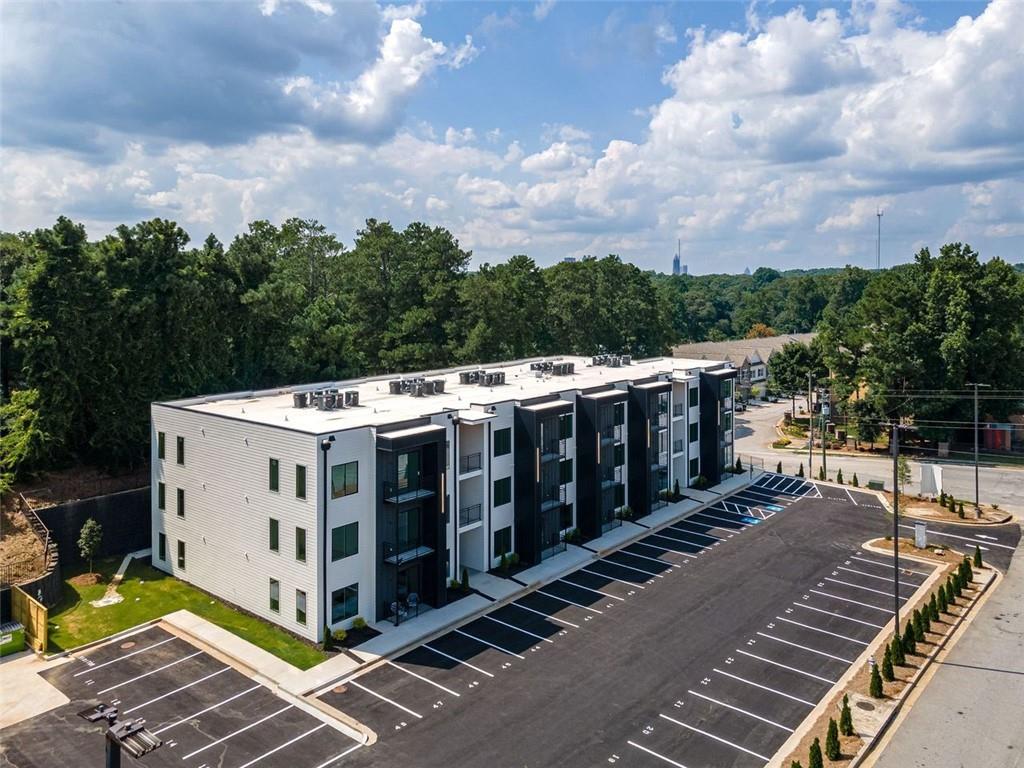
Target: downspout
{"type": "Point", "coordinates": [325, 446]}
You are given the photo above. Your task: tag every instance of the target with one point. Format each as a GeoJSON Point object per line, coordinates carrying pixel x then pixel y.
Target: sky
{"type": "Point", "coordinates": [755, 134]}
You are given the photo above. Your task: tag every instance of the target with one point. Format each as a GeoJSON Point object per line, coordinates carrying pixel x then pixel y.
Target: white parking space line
{"type": "Point", "coordinates": [176, 690]}
{"type": "Point", "coordinates": [848, 600]}
{"type": "Point", "coordinates": [549, 616]}
{"type": "Point", "coordinates": [979, 542]}
{"type": "Point", "coordinates": [838, 615]}
{"type": "Point", "coordinates": [667, 549]}
{"type": "Point", "coordinates": [851, 497]}
{"type": "Point", "coordinates": [485, 642]}
{"type": "Point", "coordinates": [822, 631]}
{"type": "Point", "coordinates": [858, 586]}
{"type": "Point", "coordinates": [392, 702]}
{"type": "Point", "coordinates": [94, 667]}
{"type": "Point", "coordinates": [725, 511]}
{"type": "Point", "coordinates": [716, 738]}
{"type": "Point", "coordinates": [591, 589]}
{"type": "Point", "coordinates": [875, 576]}
{"type": "Point", "coordinates": [634, 568]}
{"type": "Point", "coordinates": [151, 672]}
{"type": "Point", "coordinates": [786, 666]}
{"type": "Point", "coordinates": [651, 752]}
{"type": "Point", "coordinates": [768, 496]}
{"type": "Point", "coordinates": [282, 746]}
{"type": "Point", "coordinates": [457, 660]}
{"type": "Point", "coordinates": [810, 704]}
{"type": "Point", "coordinates": [805, 648]}
{"type": "Point", "coordinates": [235, 733]}
{"type": "Point", "coordinates": [721, 519]}
{"type": "Point", "coordinates": [336, 758]}
{"type": "Point", "coordinates": [569, 602]}
{"type": "Point", "coordinates": [210, 708]}
{"type": "Point", "coordinates": [519, 629]}
{"type": "Point", "coordinates": [424, 679]}
{"type": "Point", "coordinates": [745, 712]}
{"type": "Point", "coordinates": [612, 578]}
{"type": "Point", "coordinates": [688, 532]}
{"type": "Point", "coordinates": [887, 565]}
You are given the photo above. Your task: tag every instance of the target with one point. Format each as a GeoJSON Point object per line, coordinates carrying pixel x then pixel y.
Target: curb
{"type": "Point", "coordinates": [103, 640]}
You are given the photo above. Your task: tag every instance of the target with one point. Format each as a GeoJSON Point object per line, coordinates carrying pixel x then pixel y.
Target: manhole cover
{"type": "Point", "coordinates": [339, 689]}
{"type": "Point", "coordinates": [127, 644]}
{"type": "Point", "coordinates": [865, 705]}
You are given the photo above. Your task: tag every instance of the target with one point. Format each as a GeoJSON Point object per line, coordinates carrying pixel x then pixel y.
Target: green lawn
{"type": "Point", "coordinates": [149, 594]}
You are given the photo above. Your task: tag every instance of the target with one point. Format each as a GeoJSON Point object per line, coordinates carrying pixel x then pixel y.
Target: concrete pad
{"type": "Point", "coordinates": [24, 693]}
{"type": "Point", "coordinates": [494, 586]}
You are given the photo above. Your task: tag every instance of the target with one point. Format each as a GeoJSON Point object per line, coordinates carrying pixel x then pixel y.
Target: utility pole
{"type": "Point", "coordinates": [977, 506]}
{"type": "Point", "coordinates": [821, 399]}
{"type": "Point", "coordinates": [896, 527]}
{"type": "Point", "coordinates": [810, 430]}
{"type": "Point", "coordinates": [878, 242]}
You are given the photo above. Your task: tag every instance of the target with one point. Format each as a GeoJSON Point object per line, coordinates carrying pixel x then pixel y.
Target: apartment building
{"type": "Point", "coordinates": [314, 504]}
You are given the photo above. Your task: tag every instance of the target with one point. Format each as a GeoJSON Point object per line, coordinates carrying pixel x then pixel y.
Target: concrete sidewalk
{"type": "Point", "coordinates": [976, 696]}
{"type": "Point", "coordinates": [25, 693]}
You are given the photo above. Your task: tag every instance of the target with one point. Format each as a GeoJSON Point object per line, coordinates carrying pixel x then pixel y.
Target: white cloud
{"type": "Point", "coordinates": [542, 9]}
{"type": "Point", "coordinates": [411, 11]}
{"type": "Point", "coordinates": [454, 137]}
{"type": "Point", "coordinates": [557, 158]}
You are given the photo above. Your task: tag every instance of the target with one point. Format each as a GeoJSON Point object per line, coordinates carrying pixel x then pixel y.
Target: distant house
{"type": "Point", "coordinates": [750, 357]}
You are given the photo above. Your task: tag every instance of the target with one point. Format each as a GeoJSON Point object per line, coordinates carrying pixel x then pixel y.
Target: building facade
{"type": "Point", "coordinates": [311, 505]}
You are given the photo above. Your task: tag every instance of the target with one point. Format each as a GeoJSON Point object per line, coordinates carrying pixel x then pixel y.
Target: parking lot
{"type": "Point", "coordinates": [205, 712]}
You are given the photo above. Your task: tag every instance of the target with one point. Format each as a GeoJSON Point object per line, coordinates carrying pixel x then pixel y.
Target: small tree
{"type": "Point", "coordinates": [465, 579]}
{"type": "Point", "coordinates": [675, 490]}
{"type": "Point", "coordinates": [839, 476]}
{"type": "Point", "coordinates": [968, 572]}
{"type": "Point", "coordinates": [832, 740]}
{"type": "Point", "coordinates": [89, 539]}
{"type": "Point", "coordinates": [898, 657]}
{"type": "Point", "coordinates": [739, 465]}
{"type": "Point", "coordinates": [943, 605]}
{"type": "Point", "coordinates": [800, 472]}
{"type": "Point", "coordinates": [821, 473]}
{"type": "Point", "coordinates": [933, 608]}
{"type": "Point", "coordinates": [942, 498]}
{"type": "Point", "coordinates": [875, 688]}
{"type": "Point", "coordinates": [902, 472]}
{"type": "Point", "coordinates": [918, 626]}
{"type": "Point", "coordinates": [814, 760]}
{"type": "Point", "coordinates": [778, 468]}
{"type": "Point", "coordinates": [795, 764]}
{"type": "Point", "coordinates": [960, 510]}
{"type": "Point", "coordinates": [977, 556]}
{"type": "Point", "coordinates": [888, 673]}
{"type": "Point", "coordinates": [327, 637]}
{"type": "Point", "coordinates": [909, 643]}
{"type": "Point", "coordinates": [856, 484]}
{"type": "Point", "coordinates": [950, 597]}
{"type": "Point", "coordinates": [503, 564]}
{"type": "Point", "coordinates": [846, 718]}
{"type": "Point", "coordinates": [958, 587]}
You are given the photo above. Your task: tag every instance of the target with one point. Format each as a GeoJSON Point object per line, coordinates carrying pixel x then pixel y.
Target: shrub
{"type": "Point", "coordinates": [800, 472]}
{"type": "Point", "coordinates": [898, 657]}
{"type": "Point", "coordinates": [995, 507]}
{"type": "Point", "coordinates": [795, 764]}
{"type": "Point", "coordinates": [839, 476]}
{"type": "Point", "coordinates": [339, 636]}
{"type": "Point", "coordinates": [503, 563]}
{"type": "Point", "coordinates": [814, 760]}
{"type": "Point", "coordinates": [778, 468]}
{"type": "Point", "coordinates": [875, 688]}
{"type": "Point", "coordinates": [739, 465]}
{"type": "Point", "coordinates": [958, 587]}
{"type": "Point", "coordinates": [933, 609]}
{"type": "Point", "coordinates": [700, 483]}
{"type": "Point", "coordinates": [465, 579]}
{"type": "Point", "coordinates": [942, 498]}
{"type": "Point", "coordinates": [943, 605]}
{"type": "Point", "coordinates": [960, 510]}
{"type": "Point", "coordinates": [832, 740]}
{"type": "Point", "coordinates": [967, 570]}
{"type": "Point", "coordinates": [358, 623]}
{"type": "Point", "coordinates": [950, 597]}
{"type": "Point", "coordinates": [918, 626]}
{"type": "Point", "coordinates": [514, 558]}
{"type": "Point", "coordinates": [855, 483]}
{"type": "Point", "coordinates": [327, 637]}
{"type": "Point", "coordinates": [782, 442]}
{"type": "Point", "coordinates": [846, 718]}
{"type": "Point", "coordinates": [676, 495]}
{"type": "Point", "coordinates": [977, 556]}
{"type": "Point", "coordinates": [909, 642]}
{"type": "Point", "coordinates": [821, 473]}
{"type": "Point", "coordinates": [888, 674]}
{"type": "Point", "coordinates": [453, 584]}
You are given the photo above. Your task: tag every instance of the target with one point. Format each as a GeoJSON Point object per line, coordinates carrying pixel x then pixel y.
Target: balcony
{"type": "Point", "coordinates": [678, 446]}
{"type": "Point", "coordinates": [405, 550]}
{"type": "Point", "coordinates": [469, 515]}
{"type": "Point", "coordinates": [552, 449]}
{"type": "Point", "coordinates": [419, 487]}
{"type": "Point", "coordinates": [678, 410]}
{"type": "Point", "coordinates": [611, 434]}
{"type": "Point", "coordinates": [552, 496]}
{"type": "Point", "coordinates": [470, 463]}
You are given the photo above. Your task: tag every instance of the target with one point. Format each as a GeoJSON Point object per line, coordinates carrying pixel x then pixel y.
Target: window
{"type": "Point", "coordinates": [620, 454]}
{"type": "Point", "coordinates": [694, 432]}
{"type": "Point", "coordinates": [727, 421]}
{"type": "Point", "coordinates": [693, 396]}
{"type": "Point", "coordinates": [345, 541]}
{"type": "Point", "coordinates": [300, 544]}
{"type": "Point", "coordinates": [161, 546]}
{"type": "Point", "coordinates": [502, 491]}
{"type": "Point", "coordinates": [275, 535]}
{"type": "Point", "coordinates": [275, 595]}
{"type": "Point", "coordinates": [694, 468]}
{"type": "Point", "coordinates": [678, 446]}
{"type": "Point", "coordinates": [565, 471]}
{"type": "Point", "coordinates": [344, 603]}
{"type": "Point", "coordinates": [620, 495]}
{"type": "Point", "coordinates": [181, 554]}
{"type": "Point", "coordinates": [565, 426]}
{"type": "Point", "coordinates": [161, 496]}
{"type": "Point", "coordinates": [565, 517]}
{"type": "Point", "coordinates": [275, 474]}
{"type": "Point", "coordinates": [409, 470]}
{"type": "Point", "coordinates": [344, 479]}
{"type": "Point", "coordinates": [620, 414]}
{"type": "Point", "coordinates": [300, 606]}
{"type": "Point", "coordinates": [181, 502]}
{"type": "Point", "coordinates": [161, 444]}
{"type": "Point", "coordinates": [447, 454]}
{"type": "Point", "coordinates": [300, 481]}
{"type": "Point", "coordinates": [181, 449]}
{"type": "Point", "coordinates": [503, 441]}
{"type": "Point", "coordinates": [503, 541]}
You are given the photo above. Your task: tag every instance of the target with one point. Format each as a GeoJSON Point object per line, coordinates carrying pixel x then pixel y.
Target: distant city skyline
{"type": "Point", "coordinates": [762, 133]}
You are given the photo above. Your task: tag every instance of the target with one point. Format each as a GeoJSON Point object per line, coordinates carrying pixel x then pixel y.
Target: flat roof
{"type": "Point", "coordinates": [378, 407]}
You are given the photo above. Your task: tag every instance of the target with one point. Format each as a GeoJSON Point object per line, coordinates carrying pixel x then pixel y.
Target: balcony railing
{"type": "Point", "coordinates": [552, 449]}
{"type": "Point", "coordinates": [611, 433]}
{"type": "Point", "coordinates": [470, 514]}
{"type": "Point", "coordinates": [469, 463]}
{"type": "Point", "coordinates": [419, 487]}
{"type": "Point", "coordinates": [405, 550]}
{"type": "Point", "coordinates": [678, 409]}
{"type": "Point", "coordinates": [552, 496]}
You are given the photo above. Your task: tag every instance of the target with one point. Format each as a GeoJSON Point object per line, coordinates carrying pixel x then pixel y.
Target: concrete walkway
{"type": "Point", "coordinates": [24, 693]}
{"type": "Point", "coordinates": [976, 698]}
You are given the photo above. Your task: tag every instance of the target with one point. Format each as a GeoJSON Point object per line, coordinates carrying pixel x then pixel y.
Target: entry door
{"type": "Point", "coordinates": [410, 582]}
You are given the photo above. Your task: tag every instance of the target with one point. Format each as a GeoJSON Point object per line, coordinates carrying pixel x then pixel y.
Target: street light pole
{"type": "Point", "coordinates": [977, 506]}
{"type": "Point", "coordinates": [896, 528]}
{"type": "Point", "coordinates": [810, 429]}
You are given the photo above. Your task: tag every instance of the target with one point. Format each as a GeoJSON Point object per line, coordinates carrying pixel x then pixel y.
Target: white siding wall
{"type": "Point", "coordinates": [501, 466]}
{"type": "Point", "coordinates": [228, 506]}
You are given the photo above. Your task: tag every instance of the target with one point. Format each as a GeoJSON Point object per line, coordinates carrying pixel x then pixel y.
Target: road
{"type": "Point", "coordinates": [755, 431]}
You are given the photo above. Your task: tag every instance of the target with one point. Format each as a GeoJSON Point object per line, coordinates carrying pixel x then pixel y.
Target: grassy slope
{"type": "Point", "coordinates": [149, 594]}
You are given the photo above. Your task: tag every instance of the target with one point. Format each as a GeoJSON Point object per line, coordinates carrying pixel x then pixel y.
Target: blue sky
{"type": "Point", "coordinates": [758, 133]}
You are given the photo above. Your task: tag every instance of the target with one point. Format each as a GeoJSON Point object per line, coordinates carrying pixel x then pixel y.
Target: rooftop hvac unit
{"type": "Point", "coordinates": [300, 399]}
{"type": "Point", "coordinates": [464, 377]}
{"type": "Point", "coordinates": [486, 379]}
{"type": "Point", "coordinates": [572, 368]}
{"type": "Point", "coordinates": [499, 377]}
{"type": "Point", "coordinates": [438, 386]}
{"type": "Point", "coordinates": [614, 361]}
{"type": "Point", "coordinates": [351, 397]}
{"type": "Point", "coordinates": [416, 390]}
{"type": "Point", "coordinates": [599, 360]}
{"type": "Point", "coordinates": [395, 387]}
{"type": "Point", "coordinates": [427, 387]}
{"type": "Point", "coordinates": [474, 377]}
{"type": "Point", "coordinates": [330, 401]}
{"type": "Point", "coordinates": [320, 402]}
{"type": "Point", "coordinates": [332, 391]}
{"type": "Point", "coordinates": [536, 367]}
{"type": "Point", "coordinates": [627, 359]}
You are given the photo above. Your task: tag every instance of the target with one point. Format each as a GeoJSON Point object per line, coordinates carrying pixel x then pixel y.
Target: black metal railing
{"type": "Point", "coordinates": [418, 487]}
{"type": "Point", "coordinates": [405, 550]}
{"type": "Point", "coordinates": [470, 463]}
{"type": "Point", "coordinates": [470, 514]}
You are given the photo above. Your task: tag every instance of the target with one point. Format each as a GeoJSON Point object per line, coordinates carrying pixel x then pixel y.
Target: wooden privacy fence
{"type": "Point", "coordinates": [32, 615]}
